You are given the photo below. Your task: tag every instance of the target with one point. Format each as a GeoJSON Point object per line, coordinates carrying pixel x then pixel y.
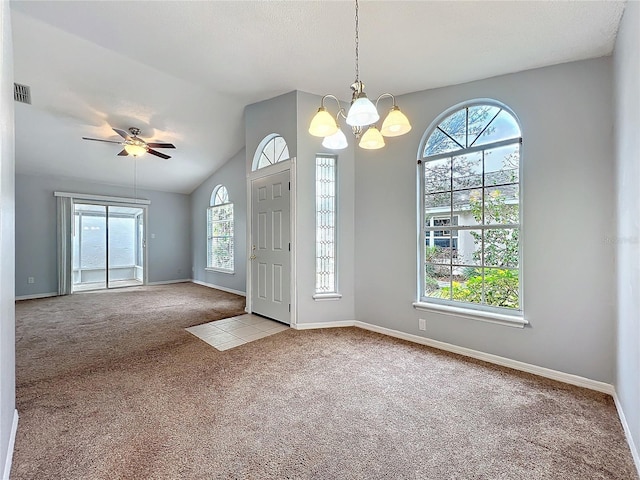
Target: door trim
{"type": "Point", "coordinates": [265, 172]}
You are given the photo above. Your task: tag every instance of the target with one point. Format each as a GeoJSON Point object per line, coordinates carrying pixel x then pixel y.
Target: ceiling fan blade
{"type": "Point", "coordinates": [122, 133]}
{"type": "Point", "coordinates": [157, 154]}
{"type": "Point", "coordinates": [161, 145]}
{"type": "Point", "coordinates": [100, 140]}
{"type": "Point", "coordinates": [123, 153]}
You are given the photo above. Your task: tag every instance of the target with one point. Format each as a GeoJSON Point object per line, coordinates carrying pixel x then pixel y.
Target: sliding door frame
{"type": "Point", "coordinates": [64, 247]}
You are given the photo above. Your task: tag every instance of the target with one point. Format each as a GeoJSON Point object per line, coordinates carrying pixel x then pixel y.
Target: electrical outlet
{"type": "Point", "coordinates": [31, 280]}
{"type": "Point", "coordinates": [422, 324]}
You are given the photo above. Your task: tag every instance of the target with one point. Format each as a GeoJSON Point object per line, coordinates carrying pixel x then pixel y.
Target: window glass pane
{"type": "Point", "coordinates": [264, 161]}
{"type": "Point", "coordinates": [437, 175]}
{"type": "Point", "coordinates": [437, 203]}
{"type": "Point", "coordinates": [469, 251]}
{"type": "Point", "coordinates": [326, 175]}
{"type": "Point", "coordinates": [467, 170]}
{"type": "Point", "coordinates": [438, 251]}
{"type": "Point", "coordinates": [76, 242]}
{"type": "Point", "coordinates": [501, 247]}
{"type": "Point", "coordinates": [501, 205]}
{"type": "Point", "coordinates": [479, 118]}
{"type": "Point", "coordinates": [439, 143]}
{"type": "Point", "coordinates": [220, 236]}
{"type": "Point", "coordinates": [501, 288]}
{"type": "Point", "coordinates": [281, 152]}
{"type": "Point", "coordinates": [502, 165]}
{"type": "Point", "coordinates": [94, 242]}
{"type": "Point", "coordinates": [467, 204]}
{"type": "Point", "coordinates": [502, 128]}
{"type": "Point", "coordinates": [274, 151]}
{"type": "Point", "coordinates": [438, 280]}
{"type": "Point", "coordinates": [455, 125]}
{"type": "Point", "coordinates": [122, 241]}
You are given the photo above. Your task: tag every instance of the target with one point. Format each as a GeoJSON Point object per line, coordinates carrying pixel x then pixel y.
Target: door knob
{"type": "Point", "coordinates": [252, 257]}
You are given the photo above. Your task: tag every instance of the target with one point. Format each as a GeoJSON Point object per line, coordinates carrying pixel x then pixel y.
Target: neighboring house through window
{"type": "Point", "coordinates": [220, 231]}
{"type": "Point", "coordinates": [470, 169]}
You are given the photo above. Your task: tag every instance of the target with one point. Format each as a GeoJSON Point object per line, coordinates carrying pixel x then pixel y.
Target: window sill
{"type": "Point", "coordinates": [219, 270]}
{"type": "Point", "coordinates": [327, 296]}
{"type": "Point", "coordinates": [490, 317]}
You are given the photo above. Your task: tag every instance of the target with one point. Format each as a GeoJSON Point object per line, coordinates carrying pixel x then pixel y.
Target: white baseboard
{"type": "Point", "coordinates": [495, 359]}
{"type": "Point", "coordinates": [169, 282]}
{"type": "Point", "coordinates": [310, 326]}
{"type": "Point", "coordinates": [37, 295]}
{"type": "Point", "coordinates": [12, 442]}
{"type": "Point", "coordinates": [468, 352]}
{"type": "Point", "coordinates": [627, 432]}
{"type": "Point", "coordinates": [218, 287]}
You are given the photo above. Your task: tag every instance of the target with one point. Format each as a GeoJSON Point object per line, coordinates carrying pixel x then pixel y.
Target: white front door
{"type": "Point", "coordinates": [270, 247]}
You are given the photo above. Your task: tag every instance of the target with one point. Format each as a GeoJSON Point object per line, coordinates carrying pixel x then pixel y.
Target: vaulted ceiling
{"type": "Point", "coordinates": [183, 72]}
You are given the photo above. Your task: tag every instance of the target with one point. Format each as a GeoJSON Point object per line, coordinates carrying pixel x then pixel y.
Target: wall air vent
{"type": "Point", "coordinates": [22, 93]}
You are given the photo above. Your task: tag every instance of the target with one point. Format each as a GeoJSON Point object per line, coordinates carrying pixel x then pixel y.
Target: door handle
{"type": "Point", "coordinates": [252, 257]}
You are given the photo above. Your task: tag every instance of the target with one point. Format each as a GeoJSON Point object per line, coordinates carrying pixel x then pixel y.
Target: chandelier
{"type": "Point", "coordinates": [362, 114]}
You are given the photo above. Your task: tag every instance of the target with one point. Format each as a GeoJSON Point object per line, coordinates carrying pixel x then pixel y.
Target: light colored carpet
{"type": "Point", "coordinates": [323, 404]}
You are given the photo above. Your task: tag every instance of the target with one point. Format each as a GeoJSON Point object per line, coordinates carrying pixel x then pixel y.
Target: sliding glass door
{"type": "Point", "coordinates": [108, 246]}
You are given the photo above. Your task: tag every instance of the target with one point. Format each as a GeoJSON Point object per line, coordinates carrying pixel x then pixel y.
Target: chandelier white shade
{"type": "Point", "coordinates": [372, 139]}
{"type": "Point", "coordinates": [362, 113]}
{"type": "Point", "coordinates": [323, 124]}
{"type": "Point", "coordinates": [337, 141]}
{"type": "Point", "coordinates": [395, 124]}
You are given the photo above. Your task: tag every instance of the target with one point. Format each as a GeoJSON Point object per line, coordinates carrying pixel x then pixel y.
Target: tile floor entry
{"type": "Point", "coordinates": [232, 332]}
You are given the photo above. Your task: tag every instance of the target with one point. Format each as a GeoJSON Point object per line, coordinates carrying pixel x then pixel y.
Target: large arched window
{"type": "Point", "coordinates": [470, 181]}
{"type": "Point", "coordinates": [272, 149]}
{"type": "Point", "coordinates": [220, 231]}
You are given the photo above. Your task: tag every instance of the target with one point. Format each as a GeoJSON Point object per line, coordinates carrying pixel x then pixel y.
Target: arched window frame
{"type": "Point", "coordinates": [271, 150]}
{"type": "Point", "coordinates": [483, 309]}
{"type": "Point", "coordinates": [220, 231]}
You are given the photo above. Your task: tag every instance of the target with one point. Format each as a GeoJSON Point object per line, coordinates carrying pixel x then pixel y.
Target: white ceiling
{"type": "Point", "coordinates": [184, 71]}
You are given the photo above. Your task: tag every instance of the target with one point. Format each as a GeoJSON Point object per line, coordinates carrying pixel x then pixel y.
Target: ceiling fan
{"type": "Point", "coordinates": [134, 145]}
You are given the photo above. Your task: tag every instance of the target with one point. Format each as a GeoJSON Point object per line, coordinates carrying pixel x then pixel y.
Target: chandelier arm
{"type": "Point", "coordinates": [341, 110]}
{"type": "Point", "coordinates": [330, 96]}
{"type": "Point", "coordinates": [386, 95]}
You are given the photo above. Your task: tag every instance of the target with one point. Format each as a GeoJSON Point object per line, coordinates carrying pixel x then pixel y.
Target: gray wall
{"type": "Point", "coordinates": [310, 310]}
{"type": "Point", "coordinates": [7, 305]}
{"type": "Point", "coordinates": [627, 102]}
{"type": "Point", "coordinates": [233, 176]}
{"type": "Point", "coordinates": [566, 116]}
{"type": "Point", "coordinates": [169, 220]}
{"type": "Point", "coordinates": [289, 115]}
{"type": "Point", "coordinates": [276, 115]}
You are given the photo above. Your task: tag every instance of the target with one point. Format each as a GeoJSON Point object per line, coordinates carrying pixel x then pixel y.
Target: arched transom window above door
{"type": "Point", "coordinates": [272, 149]}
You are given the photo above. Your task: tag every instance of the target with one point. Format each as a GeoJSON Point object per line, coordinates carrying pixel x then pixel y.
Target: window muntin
{"type": "Point", "coordinates": [326, 210]}
{"type": "Point", "coordinates": [272, 149]}
{"type": "Point", "coordinates": [220, 231]}
{"type": "Point", "coordinates": [470, 168]}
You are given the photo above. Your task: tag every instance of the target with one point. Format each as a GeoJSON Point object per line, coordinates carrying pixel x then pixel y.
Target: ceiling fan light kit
{"type": "Point", "coordinates": [362, 114]}
{"type": "Point", "coordinates": [135, 149]}
{"type": "Point", "coordinates": [134, 145]}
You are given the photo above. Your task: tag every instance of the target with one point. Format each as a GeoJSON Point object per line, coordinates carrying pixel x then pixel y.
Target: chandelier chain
{"type": "Point", "coordinates": [357, 44]}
